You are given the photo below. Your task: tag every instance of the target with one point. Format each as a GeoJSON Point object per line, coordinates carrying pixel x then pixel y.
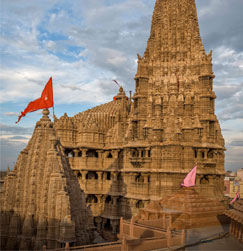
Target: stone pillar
{"type": "Point", "coordinates": [237, 230]}
{"type": "Point", "coordinates": [121, 226]}
{"type": "Point", "coordinates": [114, 176]}
{"type": "Point", "coordinates": [231, 227]}
{"type": "Point", "coordinates": [183, 236]}
{"type": "Point", "coordinates": [164, 220]}
{"type": "Point", "coordinates": [146, 152]}
{"type": "Point", "coordinates": [241, 238]}
{"type": "Point", "coordinates": [84, 175]}
{"type": "Point", "coordinates": [131, 228]}
{"type": "Point", "coordinates": [100, 154]}
{"type": "Point", "coordinates": [114, 205]}
{"type": "Point", "coordinates": [99, 183]}
{"type": "Point", "coordinates": [168, 235]}
{"type": "Point", "coordinates": [146, 178]}
{"type": "Point", "coordinates": [206, 154]}
{"type": "Point", "coordinates": [84, 152]}
{"type": "Point", "coordinates": [76, 151]}
{"type": "Point", "coordinates": [67, 247]}
{"type": "Point", "coordinates": [124, 244]}
{"type": "Point", "coordinates": [170, 221]}
{"type": "Point", "coordinates": [98, 220]}
{"type": "Point", "coordinates": [115, 153]}
{"type": "Point", "coordinates": [100, 175]}
{"type": "Point", "coordinates": [114, 224]}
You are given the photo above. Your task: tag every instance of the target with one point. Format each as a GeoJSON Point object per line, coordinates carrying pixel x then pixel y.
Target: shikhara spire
{"type": "Point", "coordinates": [128, 152]}
{"type": "Point", "coordinates": [174, 46]}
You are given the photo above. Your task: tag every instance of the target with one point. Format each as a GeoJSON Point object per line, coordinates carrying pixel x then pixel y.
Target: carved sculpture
{"type": "Point", "coordinates": [127, 153]}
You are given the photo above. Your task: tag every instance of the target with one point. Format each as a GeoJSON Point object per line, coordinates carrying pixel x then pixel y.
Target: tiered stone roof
{"type": "Point", "coordinates": [236, 213]}
{"type": "Point", "coordinates": [128, 152]}
{"type": "Point", "coordinates": [41, 201]}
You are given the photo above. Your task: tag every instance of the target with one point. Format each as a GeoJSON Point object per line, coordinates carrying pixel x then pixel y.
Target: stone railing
{"type": "Point", "coordinates": [111, 210]}
{"type": "Point", "coordinates": [139, 188]}
{"type": "Point", "coordinates": [136, 237]}
{"type": "Point", "coordinates": [96, 186]}
{"type": "Point", "coordinates": [143, 237]}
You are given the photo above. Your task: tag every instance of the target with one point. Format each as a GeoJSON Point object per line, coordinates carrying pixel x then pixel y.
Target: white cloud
{"type": "Point", "coordinates": [85, 44]}
{"type": "Point", "coordinates": [11, 114]}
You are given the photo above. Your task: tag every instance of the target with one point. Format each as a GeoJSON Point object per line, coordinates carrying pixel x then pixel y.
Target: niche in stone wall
{"type": "Point", "coordinates": [149, 153]}
{"type": "Point", "coordinates": [145, 132]}
{"type": "Point", "coordinates": [140, 204]}
{"type": "Point", "coordinates": [91, 175]}
{"type": "Point", "coordinates": [108, 176]}
{"type": "Point", "coordinates": [107, 225]}
{"type": "Point", "coordinates": [91, 198]}
{"type": "Point", "coordinates": [143, 153]}
{"type": "Point", "coordinates": [119, 177]}
{"type": "Point", "coordinates": [210, 154]}
{"type": "Point", "coordinates": [92, 153]}
{"type": "Point", "coordinates": [108, 200]}
{"type": "Point", "coordinates": [109, 156]}
{"type": "Point", "coordinates": [79, 175]}
{"type": "Point", "coordinates": [134, 153]}
{"type": "Point", "coordinates": [202, 154]}
{"type": "Point", "coordinates": [211, 128]}
{"type": "Point", "coordinates": [204, 180]}
{"type": "Point", "coordinates": [120, 155]}
{"type": "Point", "coordinates": [139, 178]}
{"type": "Point", "coordinates": [69, 153]}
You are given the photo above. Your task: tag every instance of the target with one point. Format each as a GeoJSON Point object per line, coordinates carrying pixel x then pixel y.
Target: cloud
{"type": "Point", "coordinates": [226, 130]}
{"type": "Point", "coordinates": [234, 158]}
{"type": "Point", "coordinates": [221, 23]}
{"type": "Point", "coordinates": [237, 143]}
{"type": "Point", "coordinates": [84, 44]}
{"type": "Point", "coordinates": [9, 152]}
{"type": "Point", "coordinates": [105, 41]}
{"type": "Point", "coordinates": [18, 137]}
{"type": "Point", "coordinates": [11, 114]}
{"type": "Point", "coordinates": [13, 130]}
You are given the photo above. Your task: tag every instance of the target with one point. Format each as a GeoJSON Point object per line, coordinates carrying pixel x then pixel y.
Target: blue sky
{"type": "Point", "coordinates": [84, 44]}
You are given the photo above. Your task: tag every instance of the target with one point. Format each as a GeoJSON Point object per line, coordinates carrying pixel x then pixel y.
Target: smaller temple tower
{"type": "Point", "coordinates": [41, 201]}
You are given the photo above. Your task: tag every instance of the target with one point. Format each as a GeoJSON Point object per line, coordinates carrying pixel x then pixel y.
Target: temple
{"type": "Point", "coordinates": [131, 151]}
{"type": "Point", "coordinates": [41, 201]}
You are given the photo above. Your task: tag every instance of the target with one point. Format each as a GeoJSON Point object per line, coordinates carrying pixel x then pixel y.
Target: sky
{"type": "Point", "coordinates": [84, 44]}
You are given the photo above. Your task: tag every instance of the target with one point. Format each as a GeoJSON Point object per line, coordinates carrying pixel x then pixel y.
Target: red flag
{"type": "Point", "coordinates": [190, 179]}
{"type": "Point", "coordinates": [45, 101]}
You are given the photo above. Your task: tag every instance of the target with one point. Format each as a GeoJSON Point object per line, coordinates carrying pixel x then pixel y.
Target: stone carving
{"type": "Point", "coordinates": [41, 201]}
{"type": "Point", "coordinates": [152, 142]}
{"type": "Point", "coordinates": [129, 152]}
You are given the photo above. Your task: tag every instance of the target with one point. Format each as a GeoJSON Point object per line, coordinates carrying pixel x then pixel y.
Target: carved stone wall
{"type": "Point", "coordinates": [131, 151]}
{"type": "Point", "coordinates": [41, 201]}
{"type": "Point", "coordinates": [128, 152]}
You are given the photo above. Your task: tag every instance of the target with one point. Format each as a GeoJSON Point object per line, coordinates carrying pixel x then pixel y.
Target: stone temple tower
{"type": "Point", "coordinates": [174, 102]}
{"type": "Point", "coordinates": [41, 202]}
{"type": "Point", "coordinates": [127, 152]}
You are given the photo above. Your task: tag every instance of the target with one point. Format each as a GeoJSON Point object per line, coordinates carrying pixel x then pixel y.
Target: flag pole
{"type": "Point", "coordinates": [53, 112]}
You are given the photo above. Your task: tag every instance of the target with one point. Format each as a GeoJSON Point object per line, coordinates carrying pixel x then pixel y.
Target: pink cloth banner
{"type": "Point", "coordinates": [190, 179]}
{"type": "Point", "coordinates": [237, 196]}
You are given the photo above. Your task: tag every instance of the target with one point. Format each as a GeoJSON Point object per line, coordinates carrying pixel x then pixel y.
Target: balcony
{"type": "Point", "coordinates": [111, 210]}
{"type": "Point", "coordinates": [138, 189]}
{"type": "Point", "coordinates": [97, 186]}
